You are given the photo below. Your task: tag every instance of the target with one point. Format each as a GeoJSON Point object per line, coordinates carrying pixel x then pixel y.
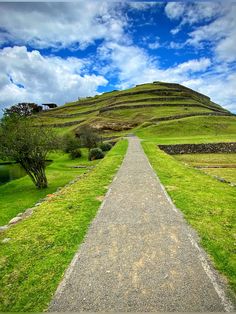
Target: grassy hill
{"type": "Point", "coordinates": [154, 104]}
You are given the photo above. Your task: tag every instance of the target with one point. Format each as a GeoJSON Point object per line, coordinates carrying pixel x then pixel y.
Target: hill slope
{"type": "Point", "coordinates": [119, 111]}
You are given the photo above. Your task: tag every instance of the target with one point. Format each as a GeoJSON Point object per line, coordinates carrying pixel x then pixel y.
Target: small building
{"type": "Point", "coordinates": [49, 106]}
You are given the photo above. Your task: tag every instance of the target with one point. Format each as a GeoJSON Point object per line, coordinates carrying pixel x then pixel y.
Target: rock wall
{"type": "Point", "coordinates": [186, 115]}
{"type": "Point", "coordinates": [149, 106]}
{"type": "Point", "coordinates": [181, 87]}
{"type": "Point", "coordinates": [199, 148]}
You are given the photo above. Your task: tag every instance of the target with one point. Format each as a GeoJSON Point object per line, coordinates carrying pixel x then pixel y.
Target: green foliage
{"type": "Point", "coordinates": [105, 147]}
{"type": "Point", "coordinates": [28, 145]}
{"type": "Point", "coordinates": [76, 153]}
{"type": "Point", "coordinates": [42, 246]}
{"type": "Point", "coordinates": [88, 137]}
{"type": "Point", "coordinates": [70, 143]}
{"type": "Point", "coordinates": [96, 153]}
{"type": "Point", "coordinates": [23, 109]}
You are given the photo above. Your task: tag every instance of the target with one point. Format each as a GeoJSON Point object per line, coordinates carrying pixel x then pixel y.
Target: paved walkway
{"type": "Point", "coordinates": [139, 254]}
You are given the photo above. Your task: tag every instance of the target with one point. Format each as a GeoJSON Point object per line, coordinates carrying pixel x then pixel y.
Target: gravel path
{"type": "Point", "coordinates": [139, 254]}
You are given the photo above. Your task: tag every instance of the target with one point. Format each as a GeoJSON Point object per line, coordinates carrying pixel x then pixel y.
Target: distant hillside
{"type": "Point", "coordinates": [124, 110]}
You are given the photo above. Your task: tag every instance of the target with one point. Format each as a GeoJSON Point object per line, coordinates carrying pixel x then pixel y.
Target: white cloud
{"type": "Point", "coordinates": [59, 25]}
{"type": "Point", "coordinates": [45, 79]}
{"type": "Point", "coordinates": [155, 44]}
{"type": "Point", "coordinates": [193, 66]}
{"type": "Point", "coordinates": [221, 88]}
{"type": "Point", "coordinates": [139, 5]}
{"type": "Point", "coordinates": [218, 31]}
{"type": "Point", "coordinates": [174, 10]}
{"type": "Point", "coordinates": [132, 65]}
{"type": "Point", "coordinates": [175, 31]}
{"type": "Point", "coordinates": [221, 33]}
{"type": "Point", "coordinates": [53, 79]}
{"type": "Point", "coordinates": [190, 13]}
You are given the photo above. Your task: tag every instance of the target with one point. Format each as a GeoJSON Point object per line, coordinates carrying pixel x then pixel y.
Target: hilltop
{"type": "Point", "coordinates": [121, 111]}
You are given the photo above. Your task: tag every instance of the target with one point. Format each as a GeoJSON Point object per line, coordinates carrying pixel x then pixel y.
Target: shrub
{"type": "Point", "coordinates": [88, 137]}
{"type": "Point", "coordinates": [96, 153]}
{"type": "Point", "coordinates": [76, 153]}
{"type": "Point", "coordinates": [70, 143]}
{"type": "Point", "coordinates": [105, 147]}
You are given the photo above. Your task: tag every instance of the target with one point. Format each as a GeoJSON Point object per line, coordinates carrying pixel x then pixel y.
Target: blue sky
{"type": "Point", "coordinates": [59, 51]}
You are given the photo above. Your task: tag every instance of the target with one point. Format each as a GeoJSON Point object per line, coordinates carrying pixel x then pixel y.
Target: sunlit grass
{"type": "Point", "coordinates": [20, 194]}
{"type": "Point", "coordinates": [208, 205]}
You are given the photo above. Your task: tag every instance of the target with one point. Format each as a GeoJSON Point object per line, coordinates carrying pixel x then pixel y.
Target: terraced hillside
{"type": "Point", "coordinates": [120, 111]}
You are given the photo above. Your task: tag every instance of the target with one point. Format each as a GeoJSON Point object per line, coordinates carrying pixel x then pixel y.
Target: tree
{"type": "Point", "coordinates": [28, 145]}
{"type": "Point", "coordinates": [88, 137]}
{"type": "Point", "coordinates": [70, 143]}
{"type": "Point", "coordinates": [23, 109]}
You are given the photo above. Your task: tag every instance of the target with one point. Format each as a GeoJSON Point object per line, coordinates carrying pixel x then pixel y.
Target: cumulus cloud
{"type": "Point", "coordinates": [174, 10]}
{"type": "Point", "coordinates": [221, 33]}
{"type": "Point", "coordinates": [61, 24]}
{"type": "Point", "coordinates": [190, 13]}
{"type": "Point", "coordinates": [29, 76]}
{"type": "Point", "coordinates": [138, 5]}
{"type": "Point", "coordinates": [220, 87]}
{"type": "Point", "coordinates": [193, 66]}
{"type": "Point", "coordinates": [218, 31]}
{"type": "Point", "coordinates": [132, 65]}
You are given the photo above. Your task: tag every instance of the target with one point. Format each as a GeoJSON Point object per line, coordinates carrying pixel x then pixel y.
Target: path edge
{"type": "Point", "coordinates": [219, 282]}
{"type": "Point", "coordinates": [71, 266]}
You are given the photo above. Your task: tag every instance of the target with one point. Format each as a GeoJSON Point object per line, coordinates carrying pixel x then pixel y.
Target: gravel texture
{"type": "Point", "coordinates": [139, 254]}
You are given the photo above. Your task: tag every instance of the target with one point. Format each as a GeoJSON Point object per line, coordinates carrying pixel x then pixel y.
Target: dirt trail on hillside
{"type": "Point", "coordinates": [139, 254]}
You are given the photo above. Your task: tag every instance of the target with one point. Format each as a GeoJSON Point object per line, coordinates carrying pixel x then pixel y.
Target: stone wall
{"type": "Point", "coordinates": [193, 114]}
{"type": "Point", "coordinates": [181, 87]}
{"type": "Point", "coordinates": [199, 148]}
{"type": "Point", "coordinates": [110, 108]}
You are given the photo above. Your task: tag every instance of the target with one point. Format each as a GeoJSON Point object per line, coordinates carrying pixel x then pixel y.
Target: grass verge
{"type": "Point", "coordinates": [20, 194]}
{"type": "Point", "coordinates": [41, 247]}
{"type": "Point", "coordinates": [190, 130]}
{"type": "Point", "coordinates": [219, 160]}
{"type": "Point", "coordinates": [208, 205]}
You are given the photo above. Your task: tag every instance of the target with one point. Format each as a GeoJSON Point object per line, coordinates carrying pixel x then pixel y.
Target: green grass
{"type": "Point", "coordinates": [42, 246]}
{"type": "Point", "coordinates": [145, 96]}
{"type": "Point", "coordinates": [207, 159]}
{"type": "Point", "coordinates": [159, 102]}
{"type": "Point", "coordinates": [208, 205]}
{"type": "Point", "coordinates": [142, 114]}
{"type": "Point", "coordinates": [20, 194]}
{"type": "Point", "coordinates": [201, 160]}
{"type": "Point", "coordinates": [190, 130]}
{"type": "Point", "coordinates": [65, 130]}
{"type": "Point", "coordinates": [229, 174]}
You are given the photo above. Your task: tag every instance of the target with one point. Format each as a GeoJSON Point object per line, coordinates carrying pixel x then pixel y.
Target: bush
{"type": "Point", "coordinates": [70, 143]}
{"type": "Point", "coordinates": [105, 147]}
{"type": "Point", "coordinates": [88, 137]}
{"type": "Point", "coordinates": [96, 153]}
{"type": "Point", "coordinates": [76, 153]}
